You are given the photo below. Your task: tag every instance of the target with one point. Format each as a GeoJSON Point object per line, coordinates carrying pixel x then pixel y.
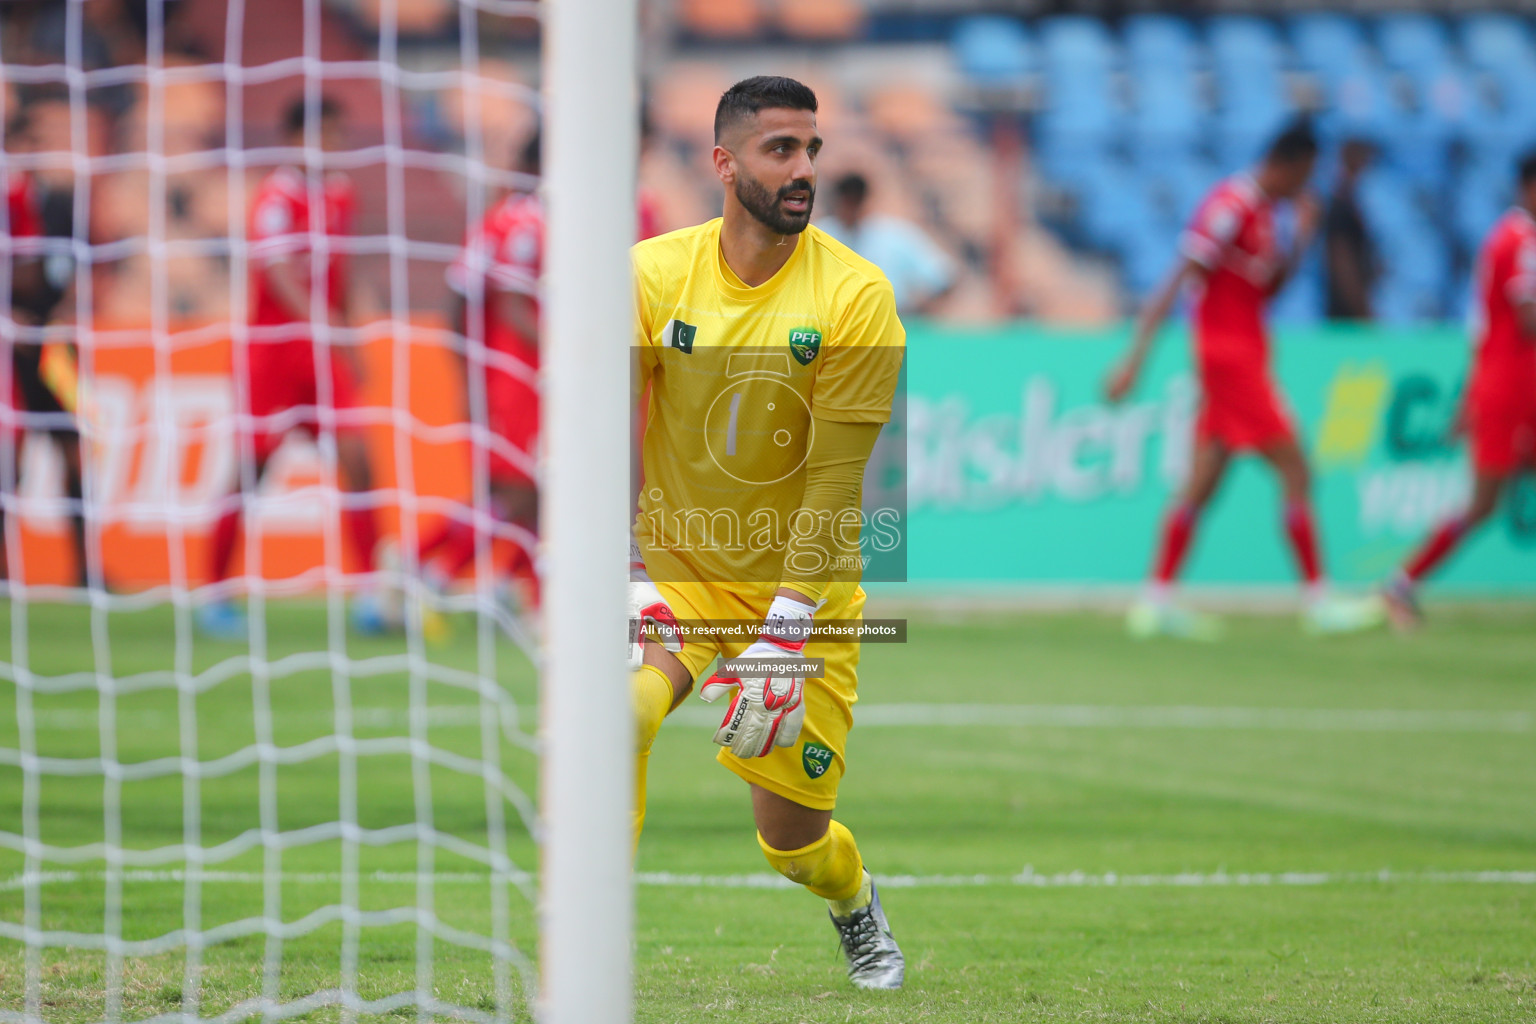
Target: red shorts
{"type": "Point", "coordinates": [512, 407]}
{"type": "Point", "coordinates": [1501, 430]}
{"type": "Point", "coordinates": [1241, 409]}
{"type": "Point", "coordinates": [281, 376]}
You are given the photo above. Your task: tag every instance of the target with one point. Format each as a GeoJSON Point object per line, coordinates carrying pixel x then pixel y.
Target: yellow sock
{"type": "Point", "coordinates": [652, 692]}
{"type": "Point", "coordinates": [830, 867]}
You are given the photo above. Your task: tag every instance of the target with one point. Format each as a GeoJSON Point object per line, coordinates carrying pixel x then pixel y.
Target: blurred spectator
{"type": "Point", "coordinates": [920, 272]}
{"type": "Point", "coordinates": [1351, 255]}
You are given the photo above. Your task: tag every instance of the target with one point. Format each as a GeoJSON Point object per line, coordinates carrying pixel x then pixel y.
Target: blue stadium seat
{"type": "Point", "coordinates": [1253, 100]}
{"type": "Point", "coordinates": [1459, 300]}
{"type": "Point", "coordinates": [1160, 42]}
{"type": "Point", "coordinates": [1498, 129]}
{"type": "Point", "coordinates": [1169, 123]}
{"type": "Point", "coordinates": [1427, 264]}
{"type": "Point", "coordinates": [1239, 41]}
{"type": "Point", "coordinates": [1139, 173]}
{"type": "Point", "coordinates": [1496, 43]}
{"type": "Point", "coordinates": [1482, 193]}
{"type": "Point", "coordinates": [1067, 162]}
{"type": "Point", "coordinates": [1073, 44]}
{"type": "Point", "coordinates": [1242, 132]}
{"type": "Point", "coordinates": [1413, 288]}
{"type": "Point", "coordinates": [1419, 148]}
{"type": "Point", "coordinates": [1414, 43]}
{"type": "Point", "coordinates": [1328, 45]}
{"type": "Point", "coordinates": [1077, 57]}
{"type": "Point", "coordinates": [1195, 179]}
{"type": "Point", "coordinates": [1362, 104]}
{"type": "Point", "coordinates": [1168, 119]}
{"type": "Point", "coordinates": [1444, 99]}
{"type": "Point", "coordinates": [1386, 200]}
{"type": "Point", "coordinates": [1077, 120]}
{"type": "Point", "coordinates": [1399, 302]}
{"type": "Point", "coordinates": [1417, 261]}
{"type": "Point", "coordinates": [994, 50]}
{"type": "Point", "coordinates": [1175, 185]}
{"type": "Point", "coordinates": [1147, 257]}
{"type": "Point", "coordinates": [1114, 207]}
{"type": "Point", "coordinates": [1302, 301]}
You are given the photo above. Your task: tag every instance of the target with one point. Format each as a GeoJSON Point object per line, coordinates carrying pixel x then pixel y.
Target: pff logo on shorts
{"type": "Point", "coordinates": [816, 758]}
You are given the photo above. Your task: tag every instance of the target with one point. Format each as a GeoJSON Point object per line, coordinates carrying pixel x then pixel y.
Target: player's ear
{"type": "Point", "coordinates": [725, 165]}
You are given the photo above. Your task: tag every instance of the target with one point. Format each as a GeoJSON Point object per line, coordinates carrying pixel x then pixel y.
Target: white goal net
{"type": "Point", "coordinates": [321, 779]}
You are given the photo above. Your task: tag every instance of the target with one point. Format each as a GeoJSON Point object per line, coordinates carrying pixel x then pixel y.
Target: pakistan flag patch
{"type": "Point", "coordinates": [817, 759]}
{"type": "Point", "coordinates": [680, 336]}
{"type": "Point", "coordinates": [804, 342]}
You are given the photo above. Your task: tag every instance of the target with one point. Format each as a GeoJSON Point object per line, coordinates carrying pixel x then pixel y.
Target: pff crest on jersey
{"type": "Point", "coordinates": [804, 343]}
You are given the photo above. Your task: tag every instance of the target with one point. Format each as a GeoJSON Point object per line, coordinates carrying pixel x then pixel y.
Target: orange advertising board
{"type": "Point", "coordinates": [162, 454]}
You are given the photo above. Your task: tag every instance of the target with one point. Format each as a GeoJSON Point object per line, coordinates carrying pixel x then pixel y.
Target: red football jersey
{"type": "Point", "coordinates": [506, 253]}
{"type": "Point", "coordinates": [280, 227]}
{"type": "Point", "coordinates": [1505, 359]}
{"type": "Point", "coordinates": [21, 206]}
{"type": "Point", "coordinates": [1232, 235]}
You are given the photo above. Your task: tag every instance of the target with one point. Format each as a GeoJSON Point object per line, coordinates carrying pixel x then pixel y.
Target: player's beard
{"type": "Point", "coordinates": [765, 208]}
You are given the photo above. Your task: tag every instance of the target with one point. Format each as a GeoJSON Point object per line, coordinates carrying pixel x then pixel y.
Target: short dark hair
{"type": "Point", "coordinates": [853, 187]}
{"type": "Point", "coordinates": [1297, 141]}
{"type": "Point", "coordinates": [296, 115]}
{"type": "Point", "coordinates": [765, 92]}
{"type": "Point", "coordinates": [1528, 168]}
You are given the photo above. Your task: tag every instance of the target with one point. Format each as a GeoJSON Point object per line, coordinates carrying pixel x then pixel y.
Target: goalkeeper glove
{"type": "Point", "coordinates": [648, 610]}
{"type": "Point", "coordinates": [768, 709]}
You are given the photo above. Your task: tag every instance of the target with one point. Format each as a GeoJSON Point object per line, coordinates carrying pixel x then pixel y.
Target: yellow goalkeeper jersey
{"type": "Point", "coordinates": [736, 376]}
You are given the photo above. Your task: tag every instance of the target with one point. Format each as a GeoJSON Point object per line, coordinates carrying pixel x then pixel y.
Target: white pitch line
{"type": "Point", "coordinates": [1099, 716]}
{"type": "Point", "coordinates": [1027, 879]}
{"type": "Point", "coordinates": [929, 716]}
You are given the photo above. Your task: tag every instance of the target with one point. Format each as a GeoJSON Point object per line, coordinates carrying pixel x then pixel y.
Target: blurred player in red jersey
{"type": "Point", "coordinates": [286, 369]}
{"type": "Point", "coordinates": [1231, 258]}
{"type": "Point", "coordinates": [499, 266]}
{"type": "Point", "coordinates": [502, 261]}
{"type": "Point", "coordinates": [44, 376]}
{"type": "Point", "coordinates": [1499, 414]}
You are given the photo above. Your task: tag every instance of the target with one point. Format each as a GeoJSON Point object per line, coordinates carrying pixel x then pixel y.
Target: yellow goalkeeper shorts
{"type": "Point", "coordinates": [809, 771]}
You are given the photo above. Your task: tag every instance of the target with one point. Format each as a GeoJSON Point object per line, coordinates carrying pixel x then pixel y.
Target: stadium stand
{"type": "Point", "coordinates": [1122, 124]}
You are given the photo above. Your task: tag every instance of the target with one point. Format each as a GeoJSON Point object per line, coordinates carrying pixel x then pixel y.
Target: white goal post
{"type": "Point", "coordinates": [591, 141]}
{"type": "Point", "coordinates": [364, 700]}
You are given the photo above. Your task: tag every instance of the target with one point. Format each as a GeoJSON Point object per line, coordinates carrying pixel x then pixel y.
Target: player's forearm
{"type": "Point", "coordinates": [521, 313]}
{"type": "Point", "coordinates": [795, 595]}
{"type": "Point", "coordinates": [283, 285]}
{"type": "Point", "coordinates": [1154, 314]}
{"type": "Point", "coordinates": [825, 529]}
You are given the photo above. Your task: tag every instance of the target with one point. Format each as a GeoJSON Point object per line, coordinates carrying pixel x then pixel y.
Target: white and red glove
{"type": "Point", "coordinates": [648, 611]}
{"type": "Point", "coordinates": [767, 711]}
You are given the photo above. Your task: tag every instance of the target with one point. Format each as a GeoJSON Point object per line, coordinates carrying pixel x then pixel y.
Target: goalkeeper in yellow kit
{"type": "Point", "coordinates": [767, 360]}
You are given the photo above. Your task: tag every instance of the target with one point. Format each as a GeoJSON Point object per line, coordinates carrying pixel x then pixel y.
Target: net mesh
{"type": "Point", "coordinates": [303, 817]}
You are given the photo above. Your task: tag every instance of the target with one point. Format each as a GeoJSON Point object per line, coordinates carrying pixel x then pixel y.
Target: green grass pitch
{"type": "Point", "coordinates": [1375, 796]}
